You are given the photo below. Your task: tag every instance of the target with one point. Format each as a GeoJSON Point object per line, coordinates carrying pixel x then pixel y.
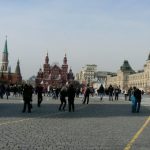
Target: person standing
{"type": "Point", "coordinates": [116, 92]}
{"type": "Point", "coordinates": [138, 97]}
{"type": "Point", "coordinates": [7, 91]}
{"type": "Point", "coordinates": [2, 90]}
{"type": "Point", "coordinates": [130, 92]}
{"type": "Point", "coordinates": [30, 94]}
{"type": "Point", "coordinates": [77, 92]}
{"type": "Point", "coordinates": [134, 102]}
{"type": "Point", "coordinates": [71, 95]}
{"type": "Point", "coordinates": [57, 92]}
{"type": "Point", "coordinates": [125, 94]}
{"type": "Point", "coordinates": [39, 95]}
{"type": "Point", "coordinates": [110, 91]}
{"type": "Point", "coordinates": [63, 94]}
{"type": "Point", "coordinates": [101, 91]}
{"type": "Point", "coordinates": [86, 94]}
{"type": "Point", "coordinates": [26, 99]}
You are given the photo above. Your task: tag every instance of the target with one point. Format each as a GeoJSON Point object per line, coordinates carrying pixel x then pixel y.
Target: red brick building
{"type": "Point", "coordinates": [6, 76]}
{"type": "Point", "coordinates": [54, 75]}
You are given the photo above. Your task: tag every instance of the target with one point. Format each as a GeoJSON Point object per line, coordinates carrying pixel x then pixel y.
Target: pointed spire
{"type": "Point", "coordinates": [5, 61]}
{"type": "Point", "coordinates": [5, 47]}
{"type": "Point", "coordinates": [65, 60]}
{"type": "Point", "coordinates": [70, 75]}
{"type": "Point", "coordinates": [70, 70]}
{"type": "Point", "coordinates": [9, 69]}
{"type": "Point", "coordinates": [18, 68]}
{"type": "Point", "coordinates": [148, 57]}
{"type": "Point", "coordinates": [46, 59]}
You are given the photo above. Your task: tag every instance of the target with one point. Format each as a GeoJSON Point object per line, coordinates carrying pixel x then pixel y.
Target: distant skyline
{"type": "Point", "coordinates": [101, 32]}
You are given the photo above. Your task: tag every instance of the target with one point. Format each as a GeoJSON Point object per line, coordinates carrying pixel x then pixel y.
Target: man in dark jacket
{"type": "Point", "coordinates": [101, 91]}
{"type": "Point", "coordinates": [39, 94]}
{"type": "Point", "coordinates": [63, 94]}
{"type": "Point", "coordinates": [26, 98]}
{"type": "Point", "coordinates": [71, 95]}
{"type": "Point", "coordinates": [138, 97]}
{"type": "Point", "coordinates": [110, 91]}
{"type": "Point", "coordinates": [86, 94]}
{"type": "Point", "coordinates": [30, 94]}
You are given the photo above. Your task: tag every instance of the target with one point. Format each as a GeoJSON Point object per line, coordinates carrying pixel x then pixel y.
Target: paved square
{"type": "Point", "coordinates": [101, 125]}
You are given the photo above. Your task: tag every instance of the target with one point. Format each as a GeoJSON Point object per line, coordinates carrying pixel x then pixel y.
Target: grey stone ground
{"type": "Point", "coordinates": [101, 125]}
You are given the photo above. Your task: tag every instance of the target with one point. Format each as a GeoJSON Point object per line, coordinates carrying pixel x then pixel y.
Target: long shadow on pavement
{"type": "Point", "coordinates": [81, 111]}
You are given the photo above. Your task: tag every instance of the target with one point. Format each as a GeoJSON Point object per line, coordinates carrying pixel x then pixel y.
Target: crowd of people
{"type": "Point", "coordinates": [6, 89]}
{"type": "Point", "coordinates": [66, 91]}
{"type": "Point", "coordinates": [133, 94]}
{"type": "Point", "coordinates": [69, 91]}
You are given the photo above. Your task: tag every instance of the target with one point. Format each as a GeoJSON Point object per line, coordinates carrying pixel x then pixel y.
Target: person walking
{"type": "Point", "coordinates": [86, 94]}
{"type": "Point", "coordinates": [63, 94]}
{"type": "Point", "coordinates": [71, 95]}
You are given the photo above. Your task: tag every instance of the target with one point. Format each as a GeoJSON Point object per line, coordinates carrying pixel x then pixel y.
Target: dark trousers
{"type": "Point", "coordinates": [71, 104]}
{"type": "Point", "coordinates": [86, 97]}
{"type": "Point", "coordinates": [111, 96]}
{"type": "Point", "coordinates": [138, 106]}
{"type": "Point", "coordinates": [101, 95]}
{"type": "Point", "coordinates": [134, 106]}
{"type": "Point", "coordinates": [125, 96]}
{"type": "Point", "coordinates": [26, 104]}
{"type": "Point", "coordinates": [39, 100]}
{"type": "Point", "coordinates": [63, 103]}
{"type": "Point", "coordinates": [116, 96]}
{"type": "Point", "coordinates": [1, 95]}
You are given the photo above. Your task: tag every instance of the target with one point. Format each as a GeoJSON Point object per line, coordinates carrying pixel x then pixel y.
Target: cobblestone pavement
{"type": "Point", "coordinates": [100, 125]}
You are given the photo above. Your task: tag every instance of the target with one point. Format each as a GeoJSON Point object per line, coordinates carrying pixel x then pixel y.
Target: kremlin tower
{"type": "Point", "coordinates": [6, 76]}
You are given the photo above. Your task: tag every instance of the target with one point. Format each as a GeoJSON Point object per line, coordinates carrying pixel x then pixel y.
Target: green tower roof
{"type": "Point", "coordinates": [148, 57]}
{"type": "Point", "coordinates": [126, 66]}
{"type": "Point", "coordinates": [5, 47]}
{"type": "Point", "coordinates": [18, 68]}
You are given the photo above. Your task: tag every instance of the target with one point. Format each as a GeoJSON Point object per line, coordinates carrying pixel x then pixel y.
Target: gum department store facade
{"type": "Point", "coordinates": [126, 77]}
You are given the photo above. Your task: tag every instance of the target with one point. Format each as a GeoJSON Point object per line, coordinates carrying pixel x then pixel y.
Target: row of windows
{"type": "Point", "coordinates": [139, 77]}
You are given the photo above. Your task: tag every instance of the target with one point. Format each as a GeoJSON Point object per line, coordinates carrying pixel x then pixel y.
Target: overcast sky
{"type": "Point", "coordinates": [102, 32]}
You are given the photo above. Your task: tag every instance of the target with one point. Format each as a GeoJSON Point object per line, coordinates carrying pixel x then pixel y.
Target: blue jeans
{"type": "Point", "coordinates": [134, 106]}
{"type": "Point", "coordinates": [101, 95]}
